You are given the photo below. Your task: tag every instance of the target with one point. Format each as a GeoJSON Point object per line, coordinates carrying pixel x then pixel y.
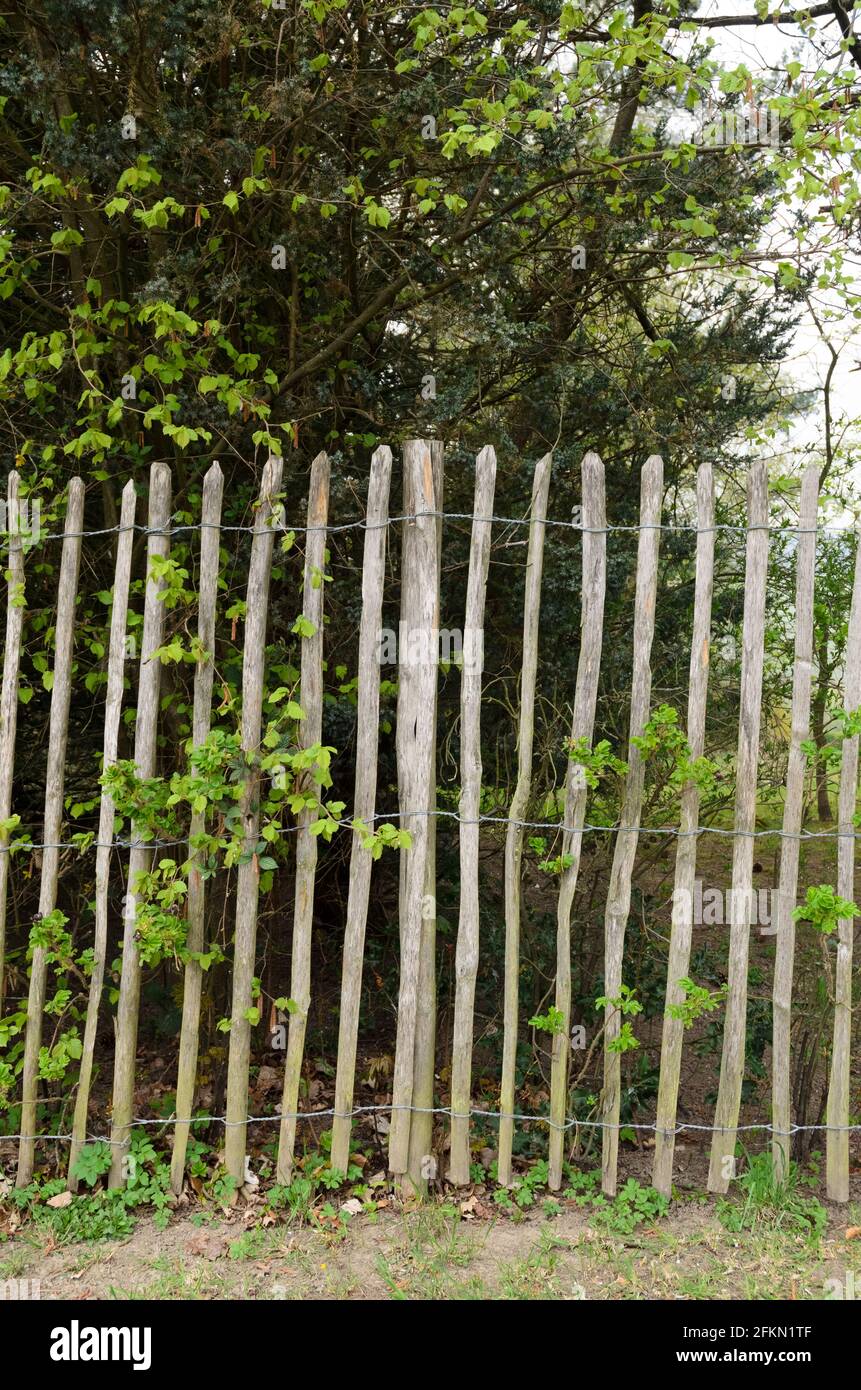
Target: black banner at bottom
{"type": "Point", "coordinates": [166, 1338]}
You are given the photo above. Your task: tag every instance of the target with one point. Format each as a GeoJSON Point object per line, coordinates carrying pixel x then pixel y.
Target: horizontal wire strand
{"type": "Point", "coordinates": [346, 824]}
{"type": "Point", "coordinates": [571, 1123]}
{"type": "Point", "coordinates": [362, 524]}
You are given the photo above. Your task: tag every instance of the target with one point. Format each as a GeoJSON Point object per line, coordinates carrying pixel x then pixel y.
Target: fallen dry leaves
{"type": "Point", "coordinates": [473, 1210]}
{"type": "Point", "coordinates": [207, 1246]}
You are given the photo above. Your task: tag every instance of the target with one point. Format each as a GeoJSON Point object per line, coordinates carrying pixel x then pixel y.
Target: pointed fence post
{"type": "Point", "coordinates": [837, 1114]}
{"type": "Point", "coordinates": [783, 926]}
{"type": "Point", "coordinates": [248, 875]}
{"type": "Point", "coordinates": [722, 1161]}
{"type": "Point", "coordinates": [593, 588]}
{"type": "Point", "coordinates": [117, 655]}
{"type": "Point", "coordinates": [367, 744]}
{"type": "Point", "coordinates": [186, 1075]}
{"type": "Point", "coordinates": [58, 737]}
{"type": "Point", "coordinates": [681, 927]}
{"type": "Point", "coordinates": [467, 949]}
{"type": "Point", "coordinates": [15, 603]}
{"type": "Point", "coordinates": [309, 735]}
{"type": "Point", "coordinates": [517, 812]}
{"type": "Point", "coordinates": [421, 1163]}
{"type": "Point", "coordinates": [140, 857]}
{"type": "Point", "coordinates": [621, 873]}
{"type": "Point", "coordinates": [415, 755]}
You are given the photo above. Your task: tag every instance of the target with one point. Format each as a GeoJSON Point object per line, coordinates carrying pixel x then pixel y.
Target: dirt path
{"type": "Point", "coordinates": [443, 1251]}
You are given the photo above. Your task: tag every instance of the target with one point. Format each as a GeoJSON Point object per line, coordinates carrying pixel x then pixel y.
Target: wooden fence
{"type": "Point", "coordinates": [414, 1095]}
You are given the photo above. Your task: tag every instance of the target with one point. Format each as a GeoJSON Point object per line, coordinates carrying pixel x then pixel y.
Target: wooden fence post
{"type": "Point", "coordinates": [837, 1114]}
{"type": "Point", "coordinates": [417, 656]}
{"type": "Point", "coordinates": [517, 812]}
{"type": "Point", "coordinates": [104, 845]}
{"type": "Point", "coordinates": [140, 858]}
{"type": "Point", "coordinates": [186, 1076]}
{"type": "Point", "coordinates": [58, 734]}
{"type": "Point", "coordinates": [722, 1163]}
{"type": "Point", "coordinates": [681, 928]}
{"type": "Point", "coordinates": [9, 695]}
{"type": "Point", "coordinates": [420, 1163]}
{"type": "Point", "coordinates": [309, 734]}
{"type": "Point", "coordinates": [594, 582]}
{"type": "Point", "coordinates": [364, 798]}
{"type": "Point", "coordinates": [466, 952]}
{"type": "Point", "coordinates": [619, 891]}
{"type": "Point", "coordinates": [783, 923]}
{"type": "Point", "coordinates": [248, 875]}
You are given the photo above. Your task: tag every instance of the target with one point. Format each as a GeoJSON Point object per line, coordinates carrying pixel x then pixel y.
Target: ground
{"type": "Point", "coordinates": [441, 1250]}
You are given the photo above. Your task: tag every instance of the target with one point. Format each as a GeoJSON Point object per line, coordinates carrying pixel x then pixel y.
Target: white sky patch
{"type": "Point", "coordinates": [766, 49]}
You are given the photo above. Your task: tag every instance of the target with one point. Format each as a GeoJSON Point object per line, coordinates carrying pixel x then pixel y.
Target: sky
{"type": "Point", "coordinates": [760, 48]}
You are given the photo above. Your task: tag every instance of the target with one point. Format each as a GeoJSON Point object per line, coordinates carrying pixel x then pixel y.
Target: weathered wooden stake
{"type": "Point", "coordinates": [837, 1135]}
{"type": "Point", "coordinates": [421, 1164]}
{"type": "Point", "coordinates": [517, 812]}
{"type": "Point", "coordinates": [576, 789]}
{"type": "Point", "coordinates": [783, 923]}
{"type": "Point", "coordinates": [140, 858]}
{"type": "Point", "coordinates": [466, 952]}
{"type": "Point", "coordinates": [248, 873]}
{"type": "Point", "coordinates": [9, 695]}
{"type": "Point", "coordinates": [58, 734]}
{"type": "Point", "coordinates": [417, 653]}
{"type": "Point", "coordinates": [364, 798]}
{"type": "Point", "coordinates": [117, 656]}
{"type": "Point", "coordinates": [309, 735]}
{"type": "Point", "coordinates": [210, 538]}
{"type": "Point", "coordinates": [619, 892]}
{"type": "Point", "coordinates": [681, 929]}
{"type": "Point", "coordinates": [722, 1163]}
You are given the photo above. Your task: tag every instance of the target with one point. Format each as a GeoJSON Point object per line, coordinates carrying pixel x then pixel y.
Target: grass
{"type": "Point", "coordinates": [771, 1202]}
{"type": "Point", "coordinates": [765, 1241]}
{"type": "Point", "coordinates": [545, 1273]}
{"type": "Point", "coordinates": [15, 1264]}
{"type": "Point", "coordinates": [432, 1243]}
{"type": "Point", "coordinates": [177, 1284]}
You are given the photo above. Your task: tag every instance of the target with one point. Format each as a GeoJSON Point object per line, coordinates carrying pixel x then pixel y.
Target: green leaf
{"type": "Point", "coordinates": [92, 1162]}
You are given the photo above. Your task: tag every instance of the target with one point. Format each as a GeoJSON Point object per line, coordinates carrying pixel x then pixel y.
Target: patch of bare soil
{"type": "Point", "coordinates": [459, 1249]}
